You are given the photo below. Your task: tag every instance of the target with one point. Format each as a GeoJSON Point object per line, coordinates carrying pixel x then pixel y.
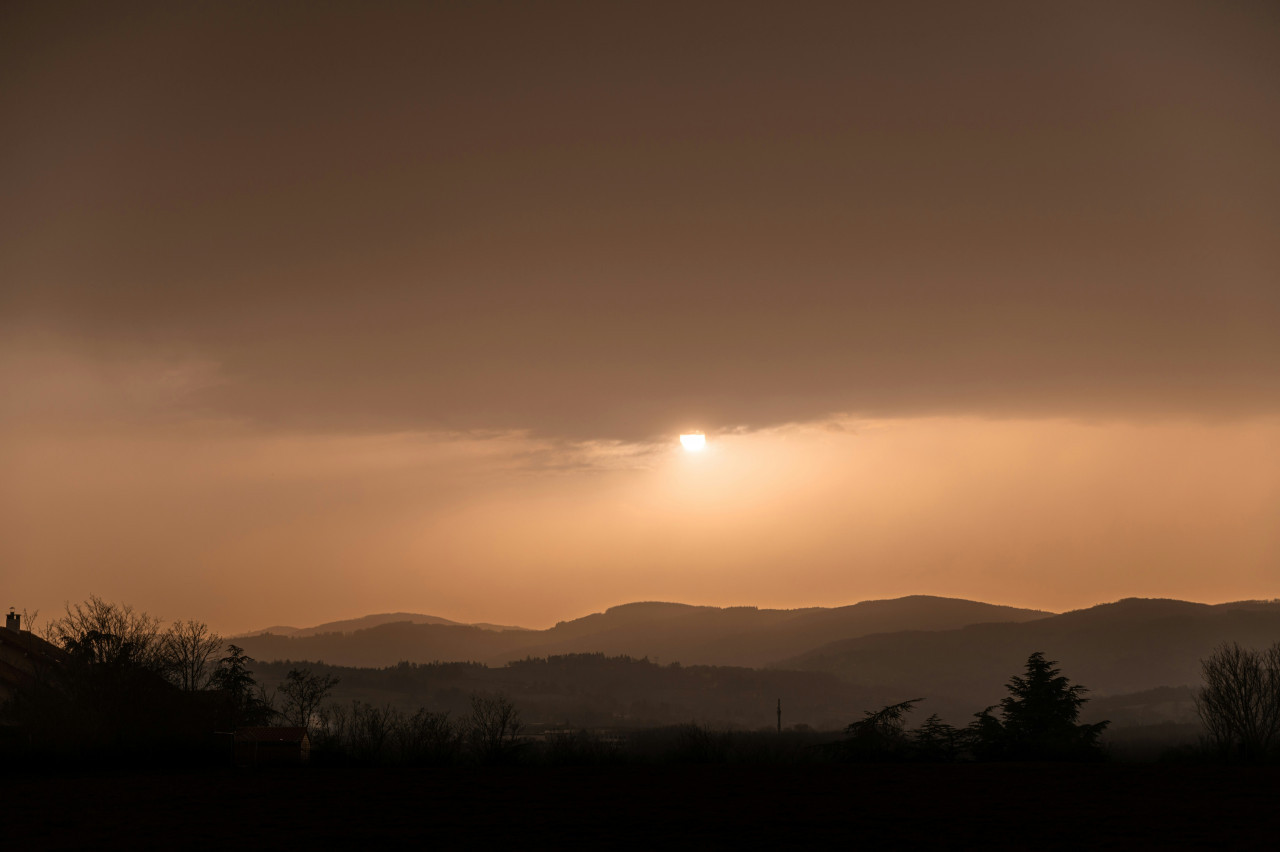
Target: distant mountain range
{"type": "Point", "coordinates": [351, 625]}
{"type": "Point", "coordinates": [1132, 645]}
{"type": "Point", "coordinates": [665, 632]}
{"type": "Point", "coordinates": [958, 654]}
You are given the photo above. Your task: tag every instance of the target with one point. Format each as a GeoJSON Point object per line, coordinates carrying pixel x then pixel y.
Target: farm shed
{"type": "Point", "coordinates": [270, 746]}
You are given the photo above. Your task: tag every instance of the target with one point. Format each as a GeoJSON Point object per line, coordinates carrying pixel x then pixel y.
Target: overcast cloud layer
{"type": "Point", "coordinates": [613, 221]}
{"type": "Point", "coordinates": [372, 307]}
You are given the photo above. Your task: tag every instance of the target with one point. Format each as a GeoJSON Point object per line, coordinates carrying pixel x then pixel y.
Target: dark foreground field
{"type": "Point", "coordinates": [721, 806]}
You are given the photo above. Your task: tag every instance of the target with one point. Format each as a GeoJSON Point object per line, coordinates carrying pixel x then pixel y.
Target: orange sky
{"type": "Point", "coordinates": [308, 311]}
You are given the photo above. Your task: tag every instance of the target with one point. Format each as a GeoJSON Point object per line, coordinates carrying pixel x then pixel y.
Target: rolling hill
{"type": "Point", "coordinates": [666, 632]}
{"type": "Point", "coordinates": [1128, 646]}
{"type": "Point", "coordinates": [1139, 659]}
{"type": "Point", "coordinates": [351, 625]}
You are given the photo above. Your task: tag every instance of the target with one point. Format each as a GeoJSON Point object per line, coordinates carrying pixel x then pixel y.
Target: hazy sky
{"type": "Point", "coordinates": [309, 310]}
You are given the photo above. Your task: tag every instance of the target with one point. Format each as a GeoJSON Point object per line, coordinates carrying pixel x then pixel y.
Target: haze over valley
{"type": "Point", "coordinates": [1141, 660]}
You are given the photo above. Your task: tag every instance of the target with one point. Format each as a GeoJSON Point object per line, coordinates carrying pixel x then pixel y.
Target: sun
{"type": "Point", "coordinates": [694, 443]}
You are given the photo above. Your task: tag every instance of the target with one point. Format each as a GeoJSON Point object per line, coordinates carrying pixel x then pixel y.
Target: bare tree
{"type": "Point", "coordinates": [303, 693]}
{"type": "Point", "coordinates": [100, 632]}
{"type": "Point", "coordinates": [31, 622]}
{"type": "Point", "coordinates": [363, 732]}
{"type": "Point", "coordinates": [427, 738]}
{"type": "Point", "coordinates": [493, 727]}
{"type": "Point", "coordinates": [189, 648]}
{"type": "Point", "coordinates": [1240, 701]}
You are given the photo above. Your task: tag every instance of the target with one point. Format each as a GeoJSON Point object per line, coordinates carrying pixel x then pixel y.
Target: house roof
{"type": "Point", "coordinates": [271, 734]}
{"type": "Point", "coordinates": [20, 655]}
{"type": "Point", "coordinates": [32, 645]}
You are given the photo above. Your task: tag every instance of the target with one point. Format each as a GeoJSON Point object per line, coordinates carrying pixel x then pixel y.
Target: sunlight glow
{"type": "Point", "coordinates": [694, 443]}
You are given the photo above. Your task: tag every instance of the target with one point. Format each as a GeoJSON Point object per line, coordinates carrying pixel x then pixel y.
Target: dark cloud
{"type": "Point", "coordinates": [609, 221]}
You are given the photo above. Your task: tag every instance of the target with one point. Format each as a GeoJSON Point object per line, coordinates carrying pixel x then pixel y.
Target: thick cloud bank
{"type": "Point", "coordinates": [615, 222]}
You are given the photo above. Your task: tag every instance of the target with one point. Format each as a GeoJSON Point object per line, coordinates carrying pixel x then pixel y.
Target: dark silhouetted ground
{"type": "Point", "coordinates": [1006, 806]}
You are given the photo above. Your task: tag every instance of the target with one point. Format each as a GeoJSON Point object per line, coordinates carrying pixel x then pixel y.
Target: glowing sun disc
{"type": "Point", "coordinates": [694, 443]}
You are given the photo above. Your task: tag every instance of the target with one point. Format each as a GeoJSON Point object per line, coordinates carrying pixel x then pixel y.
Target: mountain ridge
{"type": "Point", "coordinates": [958, 654]}
{"type": "Point", "coordinates": [350, 625]}
{"type": "Point", "coordinates": [738, 636]}
{"type": "Point", "coordinates": [1125, 646]}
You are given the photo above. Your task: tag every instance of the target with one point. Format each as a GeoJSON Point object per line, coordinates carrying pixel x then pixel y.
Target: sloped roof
{"type": "Point", "coordinates": [31, 644]}
{"type": "Point", "coordinates": [20, 655]}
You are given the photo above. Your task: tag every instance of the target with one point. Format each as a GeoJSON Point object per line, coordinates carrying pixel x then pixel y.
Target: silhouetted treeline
{"type": "Point", "coordinates": [596, 691]}
{"type": "Point", "coordinates": [492, 733]}
{"type": "Point", "coordinates": [113, 685]}
{"type": "Point", "coordinates": [1037, 721]}
{"type": "Point", "coordinates": [108, 684]}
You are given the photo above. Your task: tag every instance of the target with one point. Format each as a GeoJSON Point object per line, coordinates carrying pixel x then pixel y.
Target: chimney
{"type": "Point", "coordinates": [13, 620]}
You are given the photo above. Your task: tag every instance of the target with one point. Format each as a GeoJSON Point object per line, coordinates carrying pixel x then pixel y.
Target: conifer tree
{"type": "Point", "coordinates": [1038, 718]}
{"type": "Point", "coordinates": [233, 678]}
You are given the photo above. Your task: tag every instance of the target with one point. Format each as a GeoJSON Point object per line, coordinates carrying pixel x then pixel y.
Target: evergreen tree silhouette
{"type": "Point", "coordinates": [1038, 718]}
{"type": "Point", "coordinates": [236, 682]}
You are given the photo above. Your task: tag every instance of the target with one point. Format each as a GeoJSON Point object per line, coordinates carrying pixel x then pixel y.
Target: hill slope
{"type": "Point", "coordinates": [351, 625]}
{"type": "Point", "coordinates": [746, 636]}
{"type": "Point", "coordinates": [670, 632]}
{"type": "Point", "coordinates": [1123, 647]}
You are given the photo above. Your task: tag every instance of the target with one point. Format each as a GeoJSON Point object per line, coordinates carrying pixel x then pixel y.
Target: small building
{"type": "Point", "coordinates": [271, 746]}
{"type": "Point", "coordinates": [25, 658]}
